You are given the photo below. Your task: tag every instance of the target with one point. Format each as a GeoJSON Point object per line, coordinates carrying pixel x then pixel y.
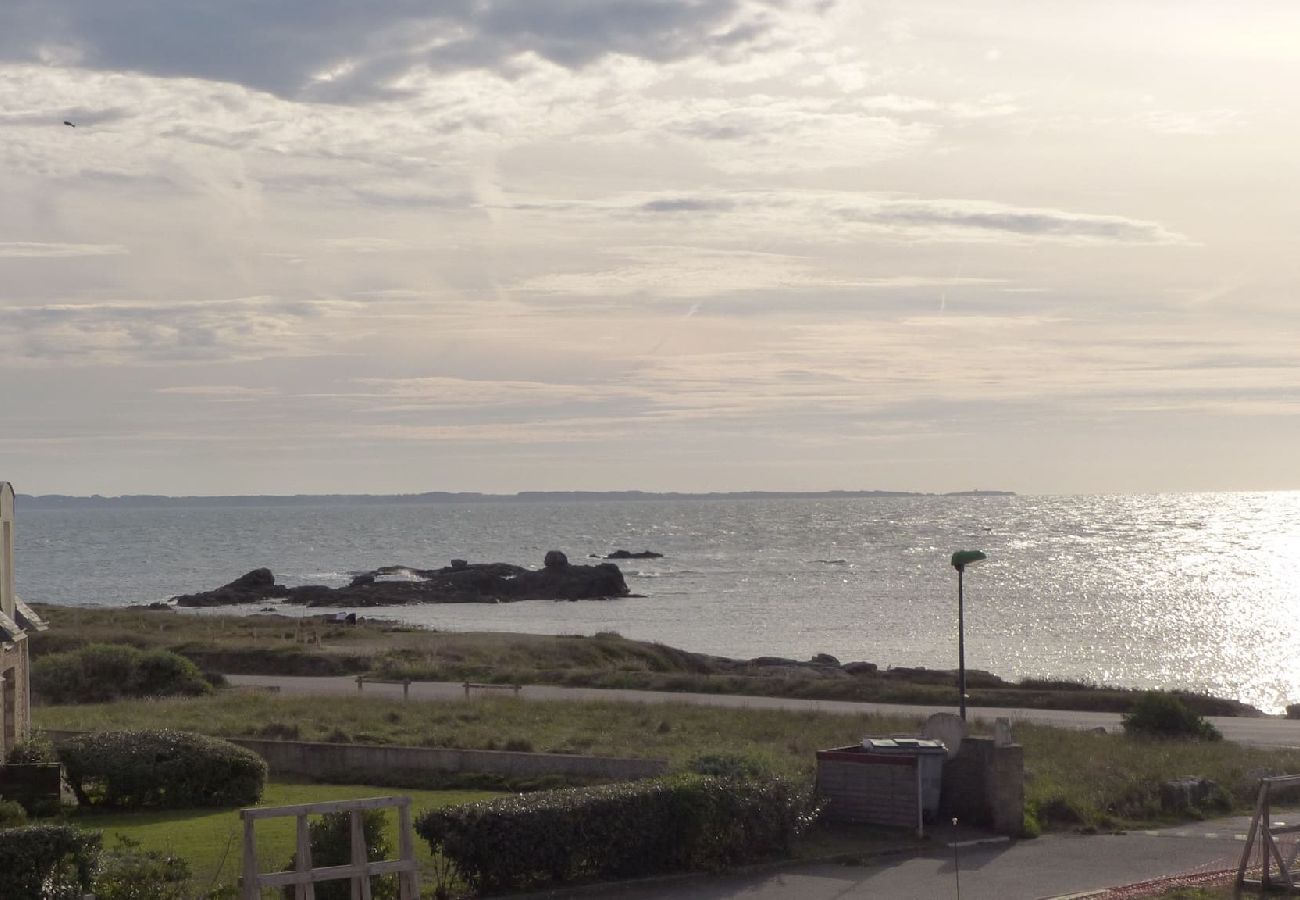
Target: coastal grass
{"type": "Point", "coordinates": [272, 644]}
{"type": "Point", "coordinates": [1077, 779]}
{"type": "Point", "coordinates": [784, 740]}
{"type": "Point", "coordinates": [211, 840]}
{"type": "Point", "coordinates": [1074, 779]}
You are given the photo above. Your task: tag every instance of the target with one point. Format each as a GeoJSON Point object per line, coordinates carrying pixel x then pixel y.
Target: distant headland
{"type": "Point", "coordinates": [63, 501]}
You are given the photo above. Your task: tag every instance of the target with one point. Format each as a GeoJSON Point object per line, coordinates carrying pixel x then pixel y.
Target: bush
{"type": "Point", "coordinates": [12, 815]}
{"type": "Point", "coordinates": [1156, 714]}
{"type": "Point", "coordinates": [331, 845]}
{"type": "Point", "coordinates": [46, 861]}
{"type": "Point", "coordinates": [37, 750]}
{"type": "Point", "coordinates": [128, 873]}
{"type": "Point", "coordinates": [101, 673]}
{"type": "Point", "coordinates": [684, 823]}
{"type": "Point", "coordinates": [163, 769]}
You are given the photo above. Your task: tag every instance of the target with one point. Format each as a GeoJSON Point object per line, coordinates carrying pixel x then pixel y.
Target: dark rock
{"type": "Point", "coordinates": [630, 554]}
{"type": "Point", "coordinates": [555, 560]}
{"type": "Point", "coordinates": [251, 587]}
{"type": "Point", "coordinates": [774, 662]}
{"type": "Point", "coordinates": [825, 659]}
{"type": "Point", "coordinates": [1191, 793]}
{"type": "Point", "coordinates": [860, 668]}
{"type": "Point", "coordinates": [457, 583]}
{"type": "Point", "coordinates": [159, 604]}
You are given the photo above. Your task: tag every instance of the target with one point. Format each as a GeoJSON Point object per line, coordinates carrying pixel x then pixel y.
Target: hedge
{"type": "Point", "coordinates": [46, 861]}
{"type": "Point", "coordinates": [684, 823]}
{"type": "Point", "coordinates": [162, 769]}
{"type": "Point", "coordinates": [101, 673]}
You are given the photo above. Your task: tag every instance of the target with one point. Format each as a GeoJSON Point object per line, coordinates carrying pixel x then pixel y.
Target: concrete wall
{"type": "Point", "coordinates": [15, 694]}
{"type": "Point", "coordinates": [316, 760]}
{"type": "Point", "coordinates": [362, 761]}
{"type": "Point", "coordinates": [985, 785]}
{"type": "Point", "coordinates": [15, 691]}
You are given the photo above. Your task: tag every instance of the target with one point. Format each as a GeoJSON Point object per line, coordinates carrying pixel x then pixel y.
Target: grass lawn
{"type": "Point", "coordinates": [211, 840]}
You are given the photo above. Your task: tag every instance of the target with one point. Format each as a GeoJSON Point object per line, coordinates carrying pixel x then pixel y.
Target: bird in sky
{"type": "Point", "coordinates": [69, 124]}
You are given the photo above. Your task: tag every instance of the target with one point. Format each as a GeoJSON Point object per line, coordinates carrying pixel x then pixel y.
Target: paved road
{"type": "Point", "coordinates": [1260, 732]}
{"type": "Point", "coordinates": [1051, 866]}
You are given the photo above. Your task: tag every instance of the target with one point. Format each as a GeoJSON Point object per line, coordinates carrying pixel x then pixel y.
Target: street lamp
{"type": "Point", "coordinates": [960, 560]}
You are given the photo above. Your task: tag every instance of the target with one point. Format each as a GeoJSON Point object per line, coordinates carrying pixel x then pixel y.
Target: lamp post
{"type": "Point", "coordinates": [960, 560]}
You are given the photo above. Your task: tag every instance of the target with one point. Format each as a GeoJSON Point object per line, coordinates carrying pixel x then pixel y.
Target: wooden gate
{"type": "Point", "coordinates": [304, 877]}
{"type": "Point", "coordinates": [1263, 830]}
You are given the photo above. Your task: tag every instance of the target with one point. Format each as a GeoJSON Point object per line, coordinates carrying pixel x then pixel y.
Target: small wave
{"type": "Point", "coordinates": [831, 562]}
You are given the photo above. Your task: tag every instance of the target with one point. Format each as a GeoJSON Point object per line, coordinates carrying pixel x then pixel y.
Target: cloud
{"type": "Point", "coordinates": [37, 250]}
{"type": "Point", "coordinates": [79, 334]}
{"type": "Point", "coordinates": [958, 219]}
{"type": "Point", "coordinates": [673, 272]}
{"type": "Point", "coordinates": [339, 50]}
{"type": "Point", "coordinates": [848, 215]}
{"type": "Point", "coordinates": [217, 392]}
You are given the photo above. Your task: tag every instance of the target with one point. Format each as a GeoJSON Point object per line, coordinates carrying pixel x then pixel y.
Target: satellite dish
{"type": "Point", "coordinates": [948, 728]}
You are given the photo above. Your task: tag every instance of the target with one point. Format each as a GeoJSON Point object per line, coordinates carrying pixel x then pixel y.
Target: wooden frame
{"type": "Point", "coordinates": [404, 682]}
{"type": "Point", "coordinates": [474, 685]}
{"type": "Point", "coordinates": [304, 876]}
{"type": "Point", "coordinates": [1261, 827]}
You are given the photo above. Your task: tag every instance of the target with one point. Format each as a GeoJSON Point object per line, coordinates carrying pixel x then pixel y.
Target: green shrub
{"type": "Point", "coordinates": [1156, 714]}
{"type": "Point", "coordinates": [684, 823]}
{"type": "Point", "coordinates": [128, 873]}
{"type": "Point", "coordinates": [46, 861]}
{"type": "Point", "coordinates": [163, 769]}
{"type": "Point", "coordinates": [12, 815]}
{"type": "Point", "coordinates": [100, 673]}
{"type": "Point", "coordinates": [331, 845]}
{"type": "Point", "coordinates": [36, 750]}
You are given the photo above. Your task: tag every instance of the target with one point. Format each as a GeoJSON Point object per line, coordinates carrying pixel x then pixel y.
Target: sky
{"type": "Point", "coordinates": [320, 246]}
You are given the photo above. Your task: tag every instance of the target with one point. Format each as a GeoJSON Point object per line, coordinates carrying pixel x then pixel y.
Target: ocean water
{"type": "Point", "coordinates": [1199, 591]}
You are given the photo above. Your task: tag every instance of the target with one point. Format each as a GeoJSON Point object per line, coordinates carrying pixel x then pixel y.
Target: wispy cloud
{"type": "Point", "coordinates": [88, 334]}
{"type": "Point", "coordinates": [38, 250]}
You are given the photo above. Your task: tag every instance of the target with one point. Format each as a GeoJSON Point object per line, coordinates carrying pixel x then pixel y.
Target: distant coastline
{"type": "Point", "coordinates": [63, 501]}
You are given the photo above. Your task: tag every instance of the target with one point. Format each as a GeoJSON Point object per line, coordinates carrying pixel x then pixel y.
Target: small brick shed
{"type": "Point", "coordinates": [881, 782]}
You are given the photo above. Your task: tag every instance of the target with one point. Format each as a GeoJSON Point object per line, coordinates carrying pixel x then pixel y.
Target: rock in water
{"type": "Point", "coordinates": [251, 587]}
{"type": "Point", "coordinates": [461, 582]}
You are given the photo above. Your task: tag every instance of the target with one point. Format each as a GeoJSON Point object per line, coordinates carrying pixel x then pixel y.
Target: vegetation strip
{"type": "Point", "coordinates": [282, 645]}
{"type": "Point", "coordinates": [1075, 779]}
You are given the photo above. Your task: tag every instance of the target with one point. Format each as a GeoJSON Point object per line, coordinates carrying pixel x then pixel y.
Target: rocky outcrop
{"type": "Point", "coordinates": [461, 582]}
{"type": "Point", "coordinates": [634, 554]}
{"type": "Point", "coordinates": [251, 587]}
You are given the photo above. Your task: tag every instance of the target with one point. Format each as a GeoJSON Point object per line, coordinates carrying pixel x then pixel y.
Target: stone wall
{"type": "Point", "coordinates": [984, 784]}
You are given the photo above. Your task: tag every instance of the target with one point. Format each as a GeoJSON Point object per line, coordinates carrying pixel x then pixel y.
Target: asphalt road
{"type": "Point", "coordinates": [1267, 731]}
{"type": "Point", "coordinates": [1048, 867]}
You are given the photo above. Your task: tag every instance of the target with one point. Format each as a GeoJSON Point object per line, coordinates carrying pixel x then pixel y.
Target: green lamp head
{"type": "Point", "coordinates": [963, 558]}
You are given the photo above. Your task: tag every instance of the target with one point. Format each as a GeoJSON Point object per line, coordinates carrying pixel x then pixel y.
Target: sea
{"type": "Point", "coordinates": [1192, 591]}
